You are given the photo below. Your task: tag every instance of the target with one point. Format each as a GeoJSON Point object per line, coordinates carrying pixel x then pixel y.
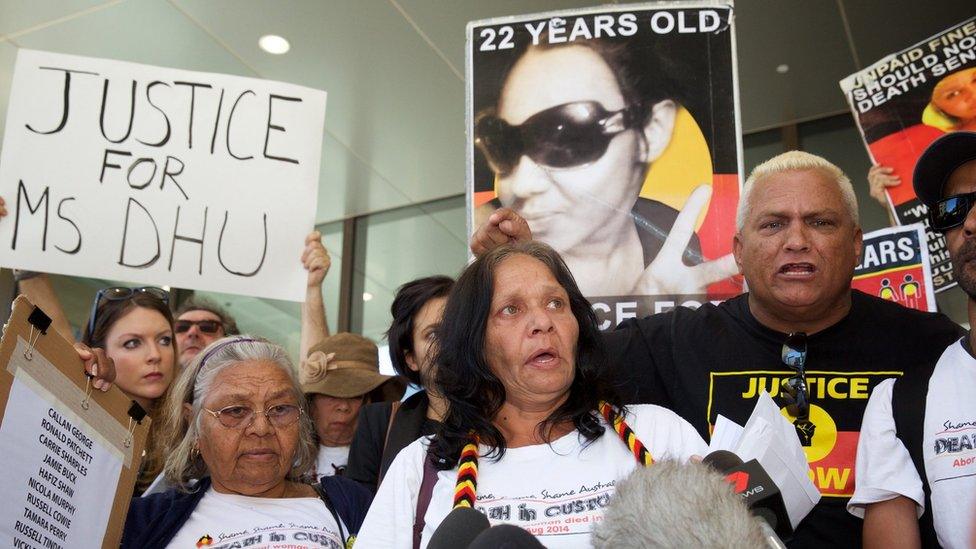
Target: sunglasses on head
{"type": "Point", "coordinates": [121, 293]}
{"type": "Point", "coordinates": [952, 211]}
{"type": "Point", "coordinates": [205, 326]}
{"type": "Point", "coordinates": [564, 136]}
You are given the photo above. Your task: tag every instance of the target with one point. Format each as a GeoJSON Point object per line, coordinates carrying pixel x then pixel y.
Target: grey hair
{"type": "Point", "coordinates": [672, 505]}
{"type": "Point", "coordinates": [792, 161]}
{"type": "Point", "coordinates": [181, 432]}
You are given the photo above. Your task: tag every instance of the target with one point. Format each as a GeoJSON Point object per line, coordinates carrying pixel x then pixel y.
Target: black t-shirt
{"type": "Point", "coordinates": [717, 359]}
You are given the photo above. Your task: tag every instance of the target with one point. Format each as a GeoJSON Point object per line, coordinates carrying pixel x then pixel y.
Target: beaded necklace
{"type": "Point", "coordinates": [466, 488]}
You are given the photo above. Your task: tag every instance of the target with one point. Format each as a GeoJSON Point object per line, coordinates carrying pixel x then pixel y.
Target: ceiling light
{"type": "Point", "coordinates": [783, 69]}
{"type": "Point", "coordinates": [367, 296]}
{"type": "Point", "coordinates": [274, 44]}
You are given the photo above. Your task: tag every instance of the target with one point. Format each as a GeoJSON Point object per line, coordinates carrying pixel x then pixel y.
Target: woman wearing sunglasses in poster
{"type": "Point", "coordinates": [570, 136]}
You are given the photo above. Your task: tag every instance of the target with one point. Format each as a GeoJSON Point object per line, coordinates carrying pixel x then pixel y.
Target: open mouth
{"type": "Point", "coordinates": [544, 358]}
{"type": "Point", "coordinates": [799, 270]}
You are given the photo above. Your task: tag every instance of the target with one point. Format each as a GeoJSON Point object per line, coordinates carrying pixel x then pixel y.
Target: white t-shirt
{"type": "Point", "coordinates": [330, 459]}
{"type": "Point", "coordinates": [258, 523]}
{"type": "Point", "coordinates": [885, 470]}
{"type": "Point", "coordinates": [557, 492]}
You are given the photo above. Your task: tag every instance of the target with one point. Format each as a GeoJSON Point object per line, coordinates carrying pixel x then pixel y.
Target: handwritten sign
{"type": "Point", "coordinates": [159, 176]}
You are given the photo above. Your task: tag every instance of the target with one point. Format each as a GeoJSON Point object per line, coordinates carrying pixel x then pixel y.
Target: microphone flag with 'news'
{"type": "Point", "coordinates": [751, 482]}
{"type": "Point", "coordinates": [672, 505]}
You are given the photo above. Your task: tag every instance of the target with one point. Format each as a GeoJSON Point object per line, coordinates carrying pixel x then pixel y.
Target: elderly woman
{"type": "Point", "coordinates": [237, 422]}
{"type": "Point", "coordinates": [533, 436]}
{"type": "Point", "coordinates": [340, 374]}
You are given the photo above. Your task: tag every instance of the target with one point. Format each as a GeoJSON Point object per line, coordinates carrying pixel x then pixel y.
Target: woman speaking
{"type": "Point", "coordinates": [533, 435]}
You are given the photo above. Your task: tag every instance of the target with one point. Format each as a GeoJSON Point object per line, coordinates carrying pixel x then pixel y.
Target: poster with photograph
{"type": "Point", "coordinates": [906, 101]}
{"type": "Point", "coordinates": [159, 176]}
{"type": "Point", "coordinates": [895, 266]}
{"type": "Point", "coordinates": [614, 132]}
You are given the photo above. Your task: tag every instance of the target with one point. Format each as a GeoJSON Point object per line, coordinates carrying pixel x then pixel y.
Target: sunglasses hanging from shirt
{"type": "Point", "coordinates": [952, 211]}
{"type": "Point", "coordinates": [564, 136]}
{"type": "Point", "coordinates": [794, 389]}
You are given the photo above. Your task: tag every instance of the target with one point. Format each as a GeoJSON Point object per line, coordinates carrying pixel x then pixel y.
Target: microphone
{"type": "Point", "coordinates": [505, 536]}
{"type": "Point", "coordinates": [673, 505]}
{"type": "Point", "coordinates": [760, 494]}
{"type": "Point", "coordinates": [458, 529]}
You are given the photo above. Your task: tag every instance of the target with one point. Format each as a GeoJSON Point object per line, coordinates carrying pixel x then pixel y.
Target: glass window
{"type": "Point", "coordinates": [401, 245]}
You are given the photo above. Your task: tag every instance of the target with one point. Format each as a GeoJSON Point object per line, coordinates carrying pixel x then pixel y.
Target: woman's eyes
{"type": "Point", "coordinates": [131, 343]}
{"type": "Point", "coordinates": [166, 340]}
{"type": "Point", "coordinates": [236, 412]}
{"type": "Point", "coordinates": [554, 303]}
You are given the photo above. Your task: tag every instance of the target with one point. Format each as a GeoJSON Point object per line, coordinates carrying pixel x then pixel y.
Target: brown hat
{"type": "Point", "coordinates": [344, 365]}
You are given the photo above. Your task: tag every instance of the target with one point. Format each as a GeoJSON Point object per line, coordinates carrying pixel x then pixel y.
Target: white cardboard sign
{"type": "Point", "coordinates": [159, 176]}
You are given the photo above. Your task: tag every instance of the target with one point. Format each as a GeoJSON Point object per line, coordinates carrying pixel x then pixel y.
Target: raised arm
{"type": "Point", "coordinates": [503, 226]}
{"type": "Point", "coordinates": [316, 260]}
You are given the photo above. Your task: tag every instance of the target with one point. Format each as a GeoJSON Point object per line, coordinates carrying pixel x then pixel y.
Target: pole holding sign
{"type": "Point", "coordinates": [159, 176]}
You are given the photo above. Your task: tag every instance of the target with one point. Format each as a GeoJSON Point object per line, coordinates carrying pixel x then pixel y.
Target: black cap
{"type": "Point", "coordinates": [938, 161]}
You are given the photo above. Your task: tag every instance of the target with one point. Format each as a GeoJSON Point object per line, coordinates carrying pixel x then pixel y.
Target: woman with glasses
{"type": "Point", "coordinates": [570, 138]}
{"type": "Point", "coordinates": [239, 444]}
{"type": "Point", "coordinates": [135, 328]}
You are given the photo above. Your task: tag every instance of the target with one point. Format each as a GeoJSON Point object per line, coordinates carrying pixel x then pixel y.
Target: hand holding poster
{"type": "Point", "coordinates": [895, 266]}
{"type": "Point", "coordinates": [906, 101]}
{"type": "Point", "coordinates": [159, 176]}
{"type": "Point", "coordinates": [614, 132]}
{"type": "Point", "coordinates": [70, 454]}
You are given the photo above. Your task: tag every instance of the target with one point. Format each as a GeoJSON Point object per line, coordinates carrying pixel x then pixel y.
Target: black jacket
{"type": "Point", "coordinates": [368, 458]}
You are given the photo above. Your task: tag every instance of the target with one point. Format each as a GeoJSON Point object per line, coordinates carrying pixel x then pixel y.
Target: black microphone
{"type": "Point", "coordinates": [458, 529]}
{"type": "Point", "coordinates": [505, 536]}
{"type": "Point", "coordinates": [760, 494]}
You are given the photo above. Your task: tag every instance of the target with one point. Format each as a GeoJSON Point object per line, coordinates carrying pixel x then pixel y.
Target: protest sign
{"type": "Point", "coordinates": [159, 176]}
{"type": "Point", "coordinates": [614, 132]}
{"type": "Point", "coordinates": [904, 102]}
{"type": "Point", "coordinates": [70, 454]}
{"type": "Point", "coordinates": [895, 266]}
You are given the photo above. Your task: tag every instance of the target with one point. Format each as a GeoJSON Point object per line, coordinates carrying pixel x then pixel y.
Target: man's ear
{"type": "Point", "coordinates": [187, 412]}
{"type": "Point", "coordinates": [737, 250]}
{"type": "Point", "coordinates": [858, 245]}
{"type": "Point", "coordinates": [658, 129]}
